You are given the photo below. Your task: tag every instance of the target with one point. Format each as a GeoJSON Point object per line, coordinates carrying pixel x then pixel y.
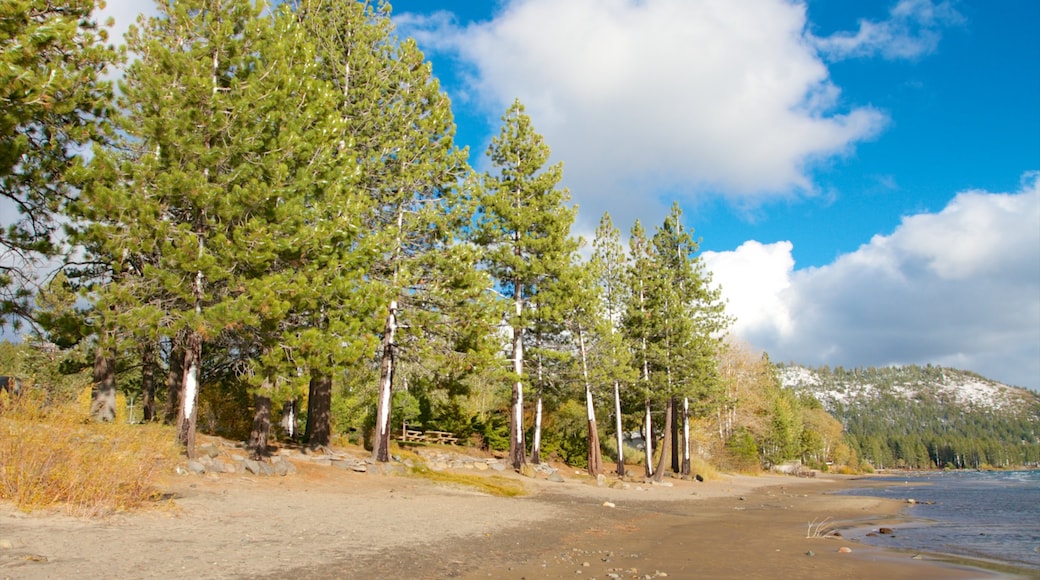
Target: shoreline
{"type": "Point", "coordinates": [325, 522]}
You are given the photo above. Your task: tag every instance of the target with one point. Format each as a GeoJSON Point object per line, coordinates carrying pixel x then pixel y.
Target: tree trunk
{"type": "Point", "coordinates": [148, 365]}
{"type": "Point", "coordinates": [174, 382]}
{"type": "Point", "coordinates": [648, 440]}
{"type": "Point", "coordinates": [595, 458]}
{"type": "Point", "coordinates": [103, 395]}
{"type": "Point", "coordinates": [675, 435]}
{"type": "Point", "coordinates": [258, 437]}
{"type": "Point", "coordinates": [619, 430]}
{"type": "Point", "coordinates": [666, 444]}
{"type": "Point", "coordinates": [685, 468]}
{"type": "Point", "coordinates": [381, 445]}
{"type": "Point", "coordinates": [289, 419]}
{"type": "Point", "coordinates": [517, 446]}
{"type": "Point", "coordinates": [318, 432]}
{"type": "Point", "coordinates": [536, 440]}
{"type": "Point", "coordinates": [188, 415]}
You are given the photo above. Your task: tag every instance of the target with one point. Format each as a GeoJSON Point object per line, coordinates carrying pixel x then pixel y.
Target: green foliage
{"type": "Point", "coordinates": [565, 434]}
{"type": "Point", "coordinates": [742, 452]}
{"type": "Point", "coordinates": [52, 59]}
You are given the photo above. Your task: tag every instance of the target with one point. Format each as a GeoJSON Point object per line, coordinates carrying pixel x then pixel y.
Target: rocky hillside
{"type": "Point", "coordinates": [928, 416]}
{"type": "Point", "coordinates": [838, 387]}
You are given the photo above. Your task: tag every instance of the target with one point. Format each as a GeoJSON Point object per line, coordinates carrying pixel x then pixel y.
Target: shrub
{"type": "Point", "coordinates": [55, 457]}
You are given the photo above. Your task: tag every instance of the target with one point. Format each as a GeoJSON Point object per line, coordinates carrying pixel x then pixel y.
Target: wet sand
{"type": "Point", "coordinates": [329, 523]}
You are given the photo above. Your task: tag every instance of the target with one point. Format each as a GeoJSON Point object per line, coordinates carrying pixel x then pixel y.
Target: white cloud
{"type": "Point", "coordinates": [913, 29]}
{"type": "Point", "coordinates": [649, 98]}
{"type": "Point", "coordinates": [960, 288]}
{"type": "Point", "coordinates": [124, 13]}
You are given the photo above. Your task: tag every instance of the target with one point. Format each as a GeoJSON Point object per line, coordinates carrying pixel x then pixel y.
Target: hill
{"type": "Point", "coordinates": [922, 417]}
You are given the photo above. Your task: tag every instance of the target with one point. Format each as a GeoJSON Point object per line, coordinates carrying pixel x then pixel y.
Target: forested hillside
{"type": "Point", "coordinates": [921, 417]}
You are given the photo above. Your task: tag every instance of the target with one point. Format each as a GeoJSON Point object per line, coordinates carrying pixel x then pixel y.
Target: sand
{"type": "Point", "coordinates": [324, 522]}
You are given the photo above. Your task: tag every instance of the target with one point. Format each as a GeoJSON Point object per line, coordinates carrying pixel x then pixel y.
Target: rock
{"type": "Point", "coordinates": [886, 531]}
{"type": "Point", "coordinates": [196, 467]}
{"type": "Point", "coordinates": [601, 480]}
{"type": "Point", "coordinates": [526, 470]}
{"type": "Point", "coordinates": [359, 467]}
{"type": "Point", "coordinates": [209, 449]}
{"type": "Point", "coordinates": [252, 466]}
{"type": "Point", "coordinates": [698, 477]}
{"type": "Point", "coordinates": [911, 501]}
{"type": "Point", "coordinates": [810, 553]}
{"type": "Point", "coordinates": [6, 544]}
{"type": "Point", "coordinates": [281, 469]}
{"type": "Point", "coordinates": [480, 466]}
{"type": "Point", "coordinates": [555, 477]}
{"type": "Point", "coordinates": [497, 466]}
{"type": "Point", "coordinates": [609, 504]}
{"type": "Point", "coordinates": [844, 550]}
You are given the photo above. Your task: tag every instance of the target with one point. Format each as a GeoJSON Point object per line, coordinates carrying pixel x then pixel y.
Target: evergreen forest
{"type": "Point", "coordinates": [929, 417]}
{"type": "Point", "coordinates": [264, 231]}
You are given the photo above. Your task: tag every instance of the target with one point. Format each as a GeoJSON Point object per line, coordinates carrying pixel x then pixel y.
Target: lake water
{"type": "Point", "coordinates": [982, 514]}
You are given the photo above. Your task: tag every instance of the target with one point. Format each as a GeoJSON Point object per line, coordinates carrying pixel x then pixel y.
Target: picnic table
{"type": "Point", "coordinates": [429, 436]}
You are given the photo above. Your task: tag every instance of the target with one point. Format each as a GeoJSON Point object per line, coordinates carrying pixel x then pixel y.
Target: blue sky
{"type": "Point", "coordinates": [863, 175]}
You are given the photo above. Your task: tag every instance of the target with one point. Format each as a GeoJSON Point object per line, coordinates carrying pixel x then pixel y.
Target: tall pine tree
{"type": "Point", "coordinates": [523, 226]}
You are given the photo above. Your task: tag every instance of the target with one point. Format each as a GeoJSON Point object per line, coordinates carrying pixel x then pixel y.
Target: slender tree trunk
{"type": "Point", "coordinates": [148, 365]}
{"type": "Point", "coordinates": [676, 440]}
{"type": "Point", "coordinates": [381, 445]}
{"type": "Point", "coordinates": [517, 446]}
{"type": "Point", "coordinates": [318, 432]}
{"type": "Point", "coordinates": [261, 432]}
{"type": "Point", "coordinates": [663, 460]}
{"type": "Point", "coordinates": [289, 419]}
{"type": "Point", "coordinates": [648, 439]}
{"type": "Point", "coordinates": [619, 430]}
{"type": "Point", "coordinates": [536, 440]}
{"type": "Point", "coordinates": [103, 394]}
{"type": "Point", "coordinates": [685, 468]}
{"type": "Point", "coordinates": [188, 415]}
{"type": "Point", "coordinates": [174, 383]}
{"type": "Point", "coordinates": [595, 457]}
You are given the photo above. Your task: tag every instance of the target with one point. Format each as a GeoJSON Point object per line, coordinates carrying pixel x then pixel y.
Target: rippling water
{"type": "Point", "coordinates": [987, 514]}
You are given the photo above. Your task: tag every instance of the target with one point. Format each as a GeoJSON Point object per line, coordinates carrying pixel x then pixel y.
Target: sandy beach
{"type": "Point", "coordinates": [323, 522]}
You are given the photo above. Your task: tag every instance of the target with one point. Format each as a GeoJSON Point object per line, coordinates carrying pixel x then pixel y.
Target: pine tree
{"type": "Point", "coordinates": [523, 227]}
{"type": "Point", "coordinates": [399, 131]}
{"type": "Point", "coordinates": [214, 212]}
{"type": "Point", "coordinates": [614, 365]}
{"type": "Point", "coordinates": [54, 103]}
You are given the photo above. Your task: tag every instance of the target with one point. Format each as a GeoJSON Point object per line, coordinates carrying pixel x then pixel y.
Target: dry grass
{"type": "Point", "coordinates": [490, 484]}
{"type": "Point", "coordinates": [54, 457]}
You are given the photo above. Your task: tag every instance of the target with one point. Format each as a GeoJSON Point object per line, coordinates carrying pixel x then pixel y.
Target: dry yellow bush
{"type": "Point", "coordinates": [55, 457]}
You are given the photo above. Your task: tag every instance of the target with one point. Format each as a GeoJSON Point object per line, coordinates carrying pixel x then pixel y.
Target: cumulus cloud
{"type": "Point", "coordinates": [960, 287]}
{"type": "Point", "coordinates": [648, 101]}
{"type": "Point", "coordinates": [913, 29]}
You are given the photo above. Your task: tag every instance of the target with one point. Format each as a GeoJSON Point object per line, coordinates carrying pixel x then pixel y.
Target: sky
{"type": "Point", "coordinates": [864, 177]}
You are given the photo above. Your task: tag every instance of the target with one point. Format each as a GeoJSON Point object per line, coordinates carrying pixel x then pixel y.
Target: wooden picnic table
{"type": "Point", "coordinates": [429, 436]}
